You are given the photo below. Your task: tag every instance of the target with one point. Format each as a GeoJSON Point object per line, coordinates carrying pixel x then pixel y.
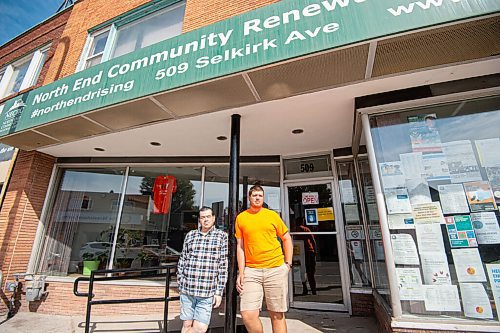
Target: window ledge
{"type": "Point", "coordinates": [131, 282]}
{"type": "Point", "coordinates": [445, 324]}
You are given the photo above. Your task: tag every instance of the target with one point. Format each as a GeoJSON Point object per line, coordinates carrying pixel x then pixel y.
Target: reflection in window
{"type": "Point", "coordinates": [355, 230]}
{"type": "Point", "coordinates": [83, 217]}
{"type": "Point", "coordinates": [149, 26]}
{"type": "Point", "coordinates": [443, 160]}
{"type": "Point", "coordinates": [153, 29]}
{"type": "Point", "coordinates": [160, 208]}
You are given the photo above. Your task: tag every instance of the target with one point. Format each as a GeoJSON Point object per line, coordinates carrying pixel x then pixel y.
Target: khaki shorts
{"type": "Point", "coordinates": [269, 282]}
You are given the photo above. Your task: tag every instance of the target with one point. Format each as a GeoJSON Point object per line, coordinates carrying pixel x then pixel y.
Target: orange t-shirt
{"type": "Point", "coordinates": [260, 232]}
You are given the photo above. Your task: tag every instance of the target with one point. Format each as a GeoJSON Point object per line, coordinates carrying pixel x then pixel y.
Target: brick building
{"type": "Point", "coordinates": [373, 127]}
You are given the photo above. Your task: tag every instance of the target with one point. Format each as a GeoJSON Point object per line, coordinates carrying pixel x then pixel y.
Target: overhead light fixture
{"type": "Point", "coordinates": [298, 131]}
{"type": "Point", "coordinates": [222, 138]}
{"type": "Point", "coordinates": [99, 149]}
{"type": "Point", "coordinates": [154, 143]}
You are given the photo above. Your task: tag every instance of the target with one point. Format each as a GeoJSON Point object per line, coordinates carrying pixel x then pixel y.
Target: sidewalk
{"type": "Point", "coordinates": [299, 321]}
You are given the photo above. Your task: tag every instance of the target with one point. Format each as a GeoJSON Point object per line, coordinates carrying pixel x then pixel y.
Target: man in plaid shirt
{"type": "Point", "coordinates": [202, 273]}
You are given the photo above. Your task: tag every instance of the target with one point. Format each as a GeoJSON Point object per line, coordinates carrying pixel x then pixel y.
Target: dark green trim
{"type": "Point", "coordinates": [173, 159]}
{"type": "Point", "coordinates": [136, 13]}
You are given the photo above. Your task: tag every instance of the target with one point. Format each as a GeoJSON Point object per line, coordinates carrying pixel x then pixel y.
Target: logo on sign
{"type": "Point", "coordinates": [310, 198]}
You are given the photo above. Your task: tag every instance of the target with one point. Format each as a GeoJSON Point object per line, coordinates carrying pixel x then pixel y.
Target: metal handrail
{"type": "Point", "coordinates": [107, 275]}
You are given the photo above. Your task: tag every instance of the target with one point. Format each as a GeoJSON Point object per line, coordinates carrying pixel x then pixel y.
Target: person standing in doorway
{"type": "Point", "coordinates": [202, 273]}
{"type": "Point", "coordinates": [262, 263]}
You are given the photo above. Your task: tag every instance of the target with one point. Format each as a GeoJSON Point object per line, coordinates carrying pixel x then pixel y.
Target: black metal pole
{"type": "Point", "coordinates": [234, 170]}
{"type": "Point", "coordinates": [245, 193]}
{"type": "Point", "coordinates": [165, 304]}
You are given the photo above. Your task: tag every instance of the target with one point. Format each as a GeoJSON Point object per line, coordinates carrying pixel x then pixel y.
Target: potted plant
{"type": "Point", "coordinates": [91, 261]}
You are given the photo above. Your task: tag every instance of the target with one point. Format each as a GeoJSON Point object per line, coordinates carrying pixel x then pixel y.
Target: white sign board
{"type": "Point", "coordinates": [310, 198]}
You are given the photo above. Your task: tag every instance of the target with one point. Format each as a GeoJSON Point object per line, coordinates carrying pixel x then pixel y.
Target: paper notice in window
{"type": "Point", "coordinates": [489, 152]}
{"type": "Point", "coordinates": [486, 227]}
{"type": "Point", "coordinates": [494, 276]}
{"type": "Point", "coordinates": [397, 200]}
{"type": "Point", "coordinates": [391, 174]}
{"type": "Point", "coordinates": [400, 221]}
{"type": "Point", "coordinates": [410, 284]}
{"type": "Point", "coordinates": [442, 298]}
{"type": "Point", "coordinates": [453, 199]}
{"type": "Point", "coordinates": [468, 265]}
{"type": "Point", "coordinates": [461, 161]}
{"type": "Point", "coordinates": [475, 300]}
{"type": "Point", "coordinates": [428, 213]}
{"type": "Point", "coordinates": [435, 268]}
{"type": "Point", "coordinates": [480, 196]}
{"type": "Point", "coordinates": [404, 249]}
{"type": "Point", "coordinates": [430, 238]}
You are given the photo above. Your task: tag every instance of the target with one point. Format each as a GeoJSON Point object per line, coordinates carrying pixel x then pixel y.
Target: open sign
{"type": "Point", "coordinates": [310, 198]}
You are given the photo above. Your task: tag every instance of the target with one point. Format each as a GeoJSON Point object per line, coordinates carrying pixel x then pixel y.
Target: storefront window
{"type": "Point", "coordinates": [440, 173]}
{"type": "Point", "coordinates": [84, 211]}
{"type": "Point", "coordinates": [374, 236]}
{"type": "Point", "coordinates": [355, 232]}
{"type": "Point", "coordinates": [160, 208]}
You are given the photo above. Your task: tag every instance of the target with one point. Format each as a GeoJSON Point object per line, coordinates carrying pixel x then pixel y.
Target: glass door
{"type": "Point", "coordinates": [318, 278]}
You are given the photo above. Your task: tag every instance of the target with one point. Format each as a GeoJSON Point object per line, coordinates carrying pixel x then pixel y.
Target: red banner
{"type": "Point", "coordinates": [163, 189]}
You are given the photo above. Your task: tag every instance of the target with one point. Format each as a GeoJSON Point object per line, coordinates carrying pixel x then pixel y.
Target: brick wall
{"type": "Point", "coordinates": [383, 318]}
{"type": "Point", "coordinates": [202, 13]}
{"type": "Point", "coordinates": [21, 211]}
{"type": "Point", "coordinates": [87, 14]}
{"type": "Point", "coordinates": [60, 300]}
{"type": "Point", "coordinates": [49, 31]}
{"type": "Point", "coordinates": [362, 304]}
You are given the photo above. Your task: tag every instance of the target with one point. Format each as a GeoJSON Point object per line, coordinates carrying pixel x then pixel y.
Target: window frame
{"type": "Point", "coordinates": [36, 60]}
{"type": "Point", "coordinates": [113, 28]}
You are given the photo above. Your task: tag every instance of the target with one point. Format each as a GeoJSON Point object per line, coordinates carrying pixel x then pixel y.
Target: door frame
{"type": "Point", "coordinates": [341, 245]}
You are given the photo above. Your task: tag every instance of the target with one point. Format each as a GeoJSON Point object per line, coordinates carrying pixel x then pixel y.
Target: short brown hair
{"type": "Point", "coordinates": [255, 188]}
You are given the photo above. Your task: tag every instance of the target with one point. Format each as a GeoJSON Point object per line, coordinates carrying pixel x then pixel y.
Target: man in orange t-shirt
{"type": "Point", "coordinates": [263, 267]}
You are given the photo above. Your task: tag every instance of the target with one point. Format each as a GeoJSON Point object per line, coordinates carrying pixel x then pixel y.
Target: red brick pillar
{"type": "Point", "coordinates": [20, 214]}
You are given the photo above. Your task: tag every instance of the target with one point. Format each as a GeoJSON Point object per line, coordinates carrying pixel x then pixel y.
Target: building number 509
{"type": "Point", "coordinates": [172, 70]}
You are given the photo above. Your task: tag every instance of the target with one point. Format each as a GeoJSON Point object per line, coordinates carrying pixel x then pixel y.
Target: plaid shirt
{"type": "Point", "coordinates": [202, 267]}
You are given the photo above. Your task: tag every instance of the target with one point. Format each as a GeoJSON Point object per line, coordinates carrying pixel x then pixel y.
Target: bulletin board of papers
{"type": "Point", "coordinates": [442, 198]}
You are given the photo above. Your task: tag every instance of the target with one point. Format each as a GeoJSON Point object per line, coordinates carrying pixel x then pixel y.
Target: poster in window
{"type": "Point", "coordinates": [468, 265]}
{"type": "Point", "coordinates": [428, 213]}
{"type": "Point", "coordinates": [429, 238]}
{"type": "Point", "coordinates": [489, 152]}
{"type": "Point", "coordinates": [494, 276]}
{"type": "Point", "coordinates": [461, 161]}
{"type": "Point", "coordinates": [436, 167]}
{"type": "Point", "coordinates": [486, 227]}
{"type": "Point", "coordinates": [442, 298]}
{"type": "Point", "coordinates": [163, 189]}
{"type": "Point", "coordinates": [424, 135]}
{"type": "Point", "coordinates": [435, 268]}
{"type": "Point", "coordinates": [410, 284]}
{"type": "Point", "coordinates": [453, 199]}
{"type": "Point", "coordinates": [397, 200]}
{"type": "Point", "coordinates": [460, 231]}
{"type": "Point", "coordinates": [391, 174]}
{"type": "Point", "coordinates": [475, 301]}
{"type": "Point", "coordinates": [400, 221]}
{"type": "Point", "coordinates": [404, 249]}
{"type": "Point", "coordinates": [412, 165]}
{"type": "Point", "coordinates": [493, 175]}
{"type": "Point", "coordinates": [480, 196]}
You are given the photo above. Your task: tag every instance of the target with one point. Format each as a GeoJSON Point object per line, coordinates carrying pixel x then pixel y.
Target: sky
{"type": "Point", "coordinates": [17, 16]}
